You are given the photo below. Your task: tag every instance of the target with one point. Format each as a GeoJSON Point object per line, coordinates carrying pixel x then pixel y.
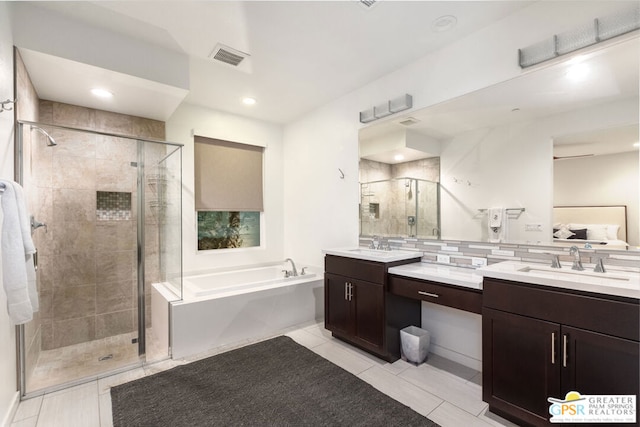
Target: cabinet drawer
{"type": "Point", "coordinates": [620, 318]}
{"type": "Point", "coordinates": [356, 268]}
{"type": "Point", "coordinates": [449, 295]}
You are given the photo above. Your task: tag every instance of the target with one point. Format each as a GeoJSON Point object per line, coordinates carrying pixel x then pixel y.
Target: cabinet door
{"type": "Point", "coordinates": [521, 366]}
{"type": "Point", "coordinates": [368, 300]}
{"type": "Point", "coordinates": [337, 316]}
{"type": "Point", "coordinates": [599, 364]}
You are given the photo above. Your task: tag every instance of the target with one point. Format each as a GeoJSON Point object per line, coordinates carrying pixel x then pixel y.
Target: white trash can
{"type": "Point", "coordinates": [414, 344]}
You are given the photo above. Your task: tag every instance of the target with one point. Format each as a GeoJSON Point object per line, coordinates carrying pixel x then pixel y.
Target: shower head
{"type": "Point", "coordinates": [51, 142]}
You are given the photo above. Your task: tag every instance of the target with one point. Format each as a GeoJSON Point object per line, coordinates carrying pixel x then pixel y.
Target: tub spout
{"type": "Point", "coordinates": [293, 266]}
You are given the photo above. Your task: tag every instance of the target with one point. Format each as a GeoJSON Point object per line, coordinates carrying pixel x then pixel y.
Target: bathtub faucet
{"type": "Point", "coordinates": [293, 265]}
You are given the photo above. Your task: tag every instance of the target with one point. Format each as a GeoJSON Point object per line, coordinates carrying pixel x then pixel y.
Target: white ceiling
{"type": "Point", "coordinates": [613, 75]}
{"type": "Point", "coordinates": [303, 54]}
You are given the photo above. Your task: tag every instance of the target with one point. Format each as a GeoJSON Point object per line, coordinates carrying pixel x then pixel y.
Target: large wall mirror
{"type": "Point", "coordinates": [563, 134]}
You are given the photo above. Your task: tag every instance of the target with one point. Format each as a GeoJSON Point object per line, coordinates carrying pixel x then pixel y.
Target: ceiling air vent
{"type": "Point", "coordinates": [228, 55]}
{"type": "Point", "coordinates": [368, 4]}
{"type": "Point", "coordinates": [408, 121]}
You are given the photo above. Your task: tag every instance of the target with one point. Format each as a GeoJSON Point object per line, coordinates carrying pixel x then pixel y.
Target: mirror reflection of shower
{"type": "Point", "coordinates": [50, 141]}
{"type": "Point", "coordinates": [403, 206]}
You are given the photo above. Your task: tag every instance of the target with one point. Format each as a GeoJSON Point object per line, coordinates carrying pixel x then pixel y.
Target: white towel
{"type": "Point", "coordinates": [495, 217]}
{"type": "Point", "coordinates": [18, 273]}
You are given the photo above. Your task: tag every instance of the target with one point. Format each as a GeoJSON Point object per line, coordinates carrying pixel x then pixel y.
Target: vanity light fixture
{"type": "Point", "coordinates": [387, 108]}
{"type": "Point", "coordinates": [102, 93]}
{"type": "Point", "coordinates": [588, 34]}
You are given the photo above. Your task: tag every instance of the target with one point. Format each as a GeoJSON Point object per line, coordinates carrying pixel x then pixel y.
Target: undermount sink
{"type": "Point", "coordinates": [555, 271]}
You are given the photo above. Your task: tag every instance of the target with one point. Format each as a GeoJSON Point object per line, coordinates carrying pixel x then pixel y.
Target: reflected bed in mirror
{"type": "Point", "coordinates": [500, 146]}
{"type": "Point", "coordinates": [595, 226]}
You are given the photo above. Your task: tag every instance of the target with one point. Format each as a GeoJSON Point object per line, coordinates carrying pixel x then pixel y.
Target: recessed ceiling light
{"type": "Point", "coordinates": [637, 144]}
{"type": "Point", "coordinates": [398, 157]}
{"type": "Point", "coordinates": [444, 23]}
{"type": "Point", "coordinates": [102, 93]}
{"type": "Point", "coordinates": [248, 101]}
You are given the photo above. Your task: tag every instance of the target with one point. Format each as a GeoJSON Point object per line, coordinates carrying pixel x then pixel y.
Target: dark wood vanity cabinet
{"type": "Point", "coordinates": [541, 342]}
{"type": "Point", "coordinates": [358, 308]}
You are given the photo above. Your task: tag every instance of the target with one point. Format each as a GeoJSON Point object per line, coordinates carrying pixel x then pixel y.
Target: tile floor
{"type": "Point", "coordinates": [74, 362]}
{"type": "Point", "coordinates": [447, 393]}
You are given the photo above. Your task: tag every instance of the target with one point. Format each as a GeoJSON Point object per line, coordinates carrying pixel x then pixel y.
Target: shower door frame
{"type": "Point", "coordinates": [140, 242]}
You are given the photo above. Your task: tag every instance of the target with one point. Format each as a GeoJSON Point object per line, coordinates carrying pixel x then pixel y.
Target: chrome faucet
{"type": "Point", "coordinates": [599, 267]}
{"type": "Point", "coordinates": [577, 263]}
{"type": "Point", "coordinates": [555, 261]}
{"type": "Point", "coordinates": [293, 265]}
{"type": "Point", "coordinates": [375, 244]}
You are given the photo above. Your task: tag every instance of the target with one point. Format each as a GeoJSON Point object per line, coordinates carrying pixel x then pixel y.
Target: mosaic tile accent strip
{"type": "Point", "coordinates": [461, 253]}
{"type": "Point", "coordinates": [113, 206]}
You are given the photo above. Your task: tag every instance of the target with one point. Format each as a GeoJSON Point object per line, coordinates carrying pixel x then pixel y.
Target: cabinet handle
{"type": "Point", "coordinates": [564, 350]}
{"type": "Point", "coordinates": [346, 291]}
{"type": "Point", "coordinates": [553, 348]}
{"type": "Point", "coordinates": [350, 291]}
{"type": "Point", "coordinates": [429, 294]}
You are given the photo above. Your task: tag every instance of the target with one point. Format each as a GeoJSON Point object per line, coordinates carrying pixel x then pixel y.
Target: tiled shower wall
{"type": "Point", "coordinates": [88, 263]}
{"type": "Point", "coordinates": [394, 201]}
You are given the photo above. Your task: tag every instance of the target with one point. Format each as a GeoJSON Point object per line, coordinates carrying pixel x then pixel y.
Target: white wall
{"type": "Point", "coordinates": [47, 31]}
{"type": "Point", "coordinates": [229, 127]}
{"type": "Point", "coordinates": [8, 394]}
{"type": "Point", "coordinates": [325, 212]}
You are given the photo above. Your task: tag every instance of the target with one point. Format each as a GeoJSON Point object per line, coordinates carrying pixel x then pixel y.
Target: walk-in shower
{"type": "Point", "coordinates": [112, 209]}
{"type": "Point", "coordinates": [407, 207]}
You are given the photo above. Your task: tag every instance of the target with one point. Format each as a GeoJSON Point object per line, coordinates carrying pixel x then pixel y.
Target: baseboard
{"type": "Point", "coordinates": [460, 358]}
{"type": "Point", "coordinates": [13, 408]}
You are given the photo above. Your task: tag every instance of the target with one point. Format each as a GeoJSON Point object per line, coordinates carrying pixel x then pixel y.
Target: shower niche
{"type": "Point", "coordinates": [113, 205]}
{"type": "Point", "coordinates": [403, 206]}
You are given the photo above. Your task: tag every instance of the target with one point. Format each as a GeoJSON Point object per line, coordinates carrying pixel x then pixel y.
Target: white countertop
{"type": "Point", "coordinates": [616, 281]}
{"type": "Point", "coordinates": [448, 274]}
{"type": "Point", "coordinates": [373, 254]}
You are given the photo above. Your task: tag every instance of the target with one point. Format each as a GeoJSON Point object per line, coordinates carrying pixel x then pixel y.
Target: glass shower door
{"type": "Point", "coordinates": [84, 188]}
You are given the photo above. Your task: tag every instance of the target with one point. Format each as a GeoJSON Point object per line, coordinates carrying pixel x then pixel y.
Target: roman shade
{"type": "Point", "coordinates": [228, 175]}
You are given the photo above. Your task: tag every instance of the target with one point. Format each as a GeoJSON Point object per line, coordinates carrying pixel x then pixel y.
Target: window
{"type": "Point", "coordinates": [228, 193]}
{"type": "Point", "coordinates": [224, 230]}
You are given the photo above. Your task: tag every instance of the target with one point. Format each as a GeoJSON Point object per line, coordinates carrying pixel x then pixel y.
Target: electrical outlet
{"type": "Point", "coordinates": [533, 227]}
{"type": "Point", "coordinates": [478, 261]}
{"type": "Point", "coordinates": [444, 259]}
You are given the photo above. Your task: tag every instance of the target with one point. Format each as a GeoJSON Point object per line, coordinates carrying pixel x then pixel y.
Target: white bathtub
{"type": "Point", "coordinates": [240, 281]}
{"type": "Point", "coordinates": [229, 307]}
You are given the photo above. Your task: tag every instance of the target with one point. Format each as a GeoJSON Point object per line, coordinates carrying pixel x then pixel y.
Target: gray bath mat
{"type": "Point", "coordinates": [271, 383]}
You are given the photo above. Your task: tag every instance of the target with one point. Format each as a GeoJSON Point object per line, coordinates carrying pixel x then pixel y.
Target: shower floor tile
{"type": "Point", "coordinates": [88, 360]}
